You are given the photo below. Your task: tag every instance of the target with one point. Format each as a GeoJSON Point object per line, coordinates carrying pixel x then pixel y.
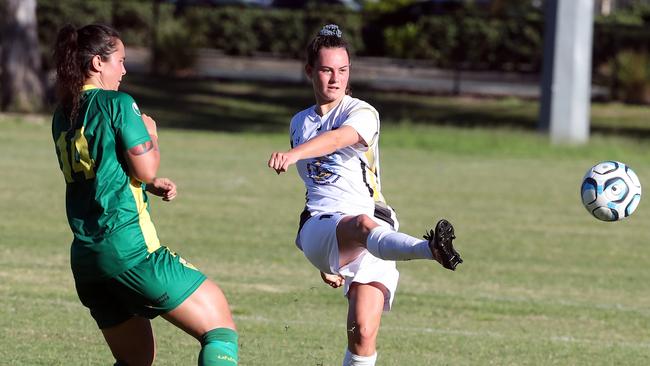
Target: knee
{"type": "Point", "coordinates": [362, 224]}
{"type": "Point", "coordinates": [140, 356]}
{"type": "Point", "coordinates": [352, 231]}
{"type": "Point", "coordinates": [362, 335]}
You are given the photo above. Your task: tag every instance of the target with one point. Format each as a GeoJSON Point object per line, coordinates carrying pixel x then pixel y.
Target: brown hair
{"type": "Point", "coordinates": [73, 54]}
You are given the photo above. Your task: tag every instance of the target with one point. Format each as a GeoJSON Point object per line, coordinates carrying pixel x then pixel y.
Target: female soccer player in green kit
{"type": "Point", "coordinates": [108, 153]}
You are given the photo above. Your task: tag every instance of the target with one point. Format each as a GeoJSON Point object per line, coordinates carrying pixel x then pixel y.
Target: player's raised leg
{"type": "Point", "coordinates": [386, 243]}
{"type": "Point", "coordinates": [205, 315]}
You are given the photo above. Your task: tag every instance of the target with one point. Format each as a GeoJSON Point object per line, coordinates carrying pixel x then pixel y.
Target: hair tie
{"type": "Point", "coordinates": [330, 30]}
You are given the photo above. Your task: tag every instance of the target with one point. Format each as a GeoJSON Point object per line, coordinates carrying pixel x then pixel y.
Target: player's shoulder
{"type": "Point", "coordinates": [304, 113]}
{"type": "Point", "coordinates": [352, 105]}
{"type": "Point", "coordinates": [114, 97]}
{"type": "Point", "coordinates": [110, 95]}
{"type": "Point", "coordinates": [300, 116]}
{"type": "Point", "coordinates": [59, 120]}
{"type": "Point", "coordinates": [116, 100]}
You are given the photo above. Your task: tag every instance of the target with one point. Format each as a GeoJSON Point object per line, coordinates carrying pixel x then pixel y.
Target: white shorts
{"type": "Point", "coordinates": [317, 239]}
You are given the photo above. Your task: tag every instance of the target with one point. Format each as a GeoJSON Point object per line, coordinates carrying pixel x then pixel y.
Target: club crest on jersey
{"type": "Point", "coordinates": [320, 172]}
{"type": "Point", "coordinates": [136, 109]}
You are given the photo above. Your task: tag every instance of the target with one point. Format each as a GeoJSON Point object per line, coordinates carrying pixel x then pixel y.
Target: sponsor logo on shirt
{"type": "Point", "coordinates": [321, 172]}
{"type": "Point", "coordinates": [136, 109]}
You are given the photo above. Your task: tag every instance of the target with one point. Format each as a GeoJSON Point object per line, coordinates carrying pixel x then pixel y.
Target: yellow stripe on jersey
{"type": "Point", "coordinates": [146, 226]}
{"type": "Point", "coordinates": [370, 156]}
{"type": "Point", "coordinates": [371, 176]}
{"type": "Point", "coordinates": [88, 87]}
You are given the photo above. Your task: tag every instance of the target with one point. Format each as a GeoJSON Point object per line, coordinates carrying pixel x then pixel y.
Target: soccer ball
{"type": "Point", "coordinates": [610, 191]}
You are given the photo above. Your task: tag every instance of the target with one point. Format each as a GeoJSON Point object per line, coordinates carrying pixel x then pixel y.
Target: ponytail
{"type": "Point", "coordinates": [73, 54]}
{"type": "Point", "coordinates": [69, 78]}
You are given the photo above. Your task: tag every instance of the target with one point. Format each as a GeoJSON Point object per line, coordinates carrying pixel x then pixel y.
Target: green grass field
{"type": "Point", "coordinates": [543, 282]}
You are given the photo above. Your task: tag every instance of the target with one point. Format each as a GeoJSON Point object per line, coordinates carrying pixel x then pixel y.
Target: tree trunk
{"type": "Point", "coordinates": [21, 81]}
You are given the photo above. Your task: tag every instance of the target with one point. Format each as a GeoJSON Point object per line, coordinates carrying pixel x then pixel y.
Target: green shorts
{"type": "Point", "coordinates": [154, 286]}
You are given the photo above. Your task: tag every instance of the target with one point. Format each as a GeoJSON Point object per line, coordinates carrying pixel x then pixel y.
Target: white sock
{"type": "Point", "coordinates": [355, 360]}
{"type": "Point", "coordinates": [392, 245]}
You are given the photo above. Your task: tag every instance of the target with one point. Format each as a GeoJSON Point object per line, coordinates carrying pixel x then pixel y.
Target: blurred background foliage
{"type": "Point", "coordinates": [469, 35]}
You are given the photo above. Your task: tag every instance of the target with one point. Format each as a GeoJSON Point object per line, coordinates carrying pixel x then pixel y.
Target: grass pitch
{"type": "Point", "coordinates": [543, 282]}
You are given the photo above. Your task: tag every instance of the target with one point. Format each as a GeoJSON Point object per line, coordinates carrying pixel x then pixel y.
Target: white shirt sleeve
{"type": "Point", "coordinates": [366, 122]}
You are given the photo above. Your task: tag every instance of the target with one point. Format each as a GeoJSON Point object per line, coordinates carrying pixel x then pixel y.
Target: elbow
{"type": "Point", "coordinates": [144, 173]}
{"type": "Point", "coordinates": [338, 143]}
{"type": "Point", "coordinates": [144, 176]}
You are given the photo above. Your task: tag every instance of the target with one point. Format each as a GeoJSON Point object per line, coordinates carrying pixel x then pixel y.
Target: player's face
{"type": "Point", "coordinates": [330, 75]}
{"type": "Point", "coordinates": [113, 69]}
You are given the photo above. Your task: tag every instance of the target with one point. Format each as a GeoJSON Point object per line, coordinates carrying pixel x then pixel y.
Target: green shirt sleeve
{"type": "Point", "coordinates": [127, 120]}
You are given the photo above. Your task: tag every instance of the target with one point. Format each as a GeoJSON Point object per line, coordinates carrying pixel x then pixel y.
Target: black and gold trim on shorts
{"type": "Point", "coordinates": [384, 213]}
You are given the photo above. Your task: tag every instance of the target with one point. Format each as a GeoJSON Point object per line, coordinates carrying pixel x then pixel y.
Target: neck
{"type": "Point", "coordinates": [322, 108]}
{"type": "Point", "coordinates": [94, 80]}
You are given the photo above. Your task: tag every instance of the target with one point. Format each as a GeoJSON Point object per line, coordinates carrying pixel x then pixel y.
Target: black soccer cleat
{"type": "Point", "coordinates": [440, 243]}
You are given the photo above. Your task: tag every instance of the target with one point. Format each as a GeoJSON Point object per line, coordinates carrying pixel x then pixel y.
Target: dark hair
{"type": "Point", "coordinates": [73, 54]}
{"type": "Point", "coordinates": [328, 37]}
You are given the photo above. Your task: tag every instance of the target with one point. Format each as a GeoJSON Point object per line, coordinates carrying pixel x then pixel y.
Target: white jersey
{"type": "Point", "coordinates": [347, 180]}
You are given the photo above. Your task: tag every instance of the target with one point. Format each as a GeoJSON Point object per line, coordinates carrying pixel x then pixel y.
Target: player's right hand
{"type": "Point", "coordinates": [280, 161]}
{"type": "Point", "coordinates": [333, 280]}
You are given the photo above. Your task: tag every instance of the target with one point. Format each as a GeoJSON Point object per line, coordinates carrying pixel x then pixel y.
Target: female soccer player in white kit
{"type": "Point", "coordinates": [347, 230]}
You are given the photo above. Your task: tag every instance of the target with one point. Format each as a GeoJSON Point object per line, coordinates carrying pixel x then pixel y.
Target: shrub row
{"type": "Point", "coordinates": [478, 42]}
{"type": "Point", "coordinates": [276, 31]}
{"type": "Point", "coordinates": [461, 39]}
{"type": "Point", "coordinates": [469, 42]}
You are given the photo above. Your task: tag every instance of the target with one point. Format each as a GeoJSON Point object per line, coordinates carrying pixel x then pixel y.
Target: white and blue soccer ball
{"type": "Point", "coordinates": [610, 191]}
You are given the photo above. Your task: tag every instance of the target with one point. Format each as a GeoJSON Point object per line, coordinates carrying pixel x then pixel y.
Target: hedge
{"type": "Point", "coordinates": [466, 39]}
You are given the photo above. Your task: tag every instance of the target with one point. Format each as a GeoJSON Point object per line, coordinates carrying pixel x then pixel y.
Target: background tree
{"type": "Point", "coordinates": [21, 80]}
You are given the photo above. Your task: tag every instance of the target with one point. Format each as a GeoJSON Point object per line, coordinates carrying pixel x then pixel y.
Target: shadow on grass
{"type": "Point", "coordinates": [231, 106]}
{"type": "Point", "coordinates": [214, 105]}
{"type": "Point", "coordinates": [267, 107]}
{"type": "Point", "coordinates": [465, 112]}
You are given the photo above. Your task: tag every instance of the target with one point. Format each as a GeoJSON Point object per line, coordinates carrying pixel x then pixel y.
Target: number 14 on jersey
{"type": "Point", "coordinates": [74, 156]}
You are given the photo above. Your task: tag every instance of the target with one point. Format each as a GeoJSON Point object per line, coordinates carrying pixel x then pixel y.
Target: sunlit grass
{"type": "Point", "coordinates": [543, 282]}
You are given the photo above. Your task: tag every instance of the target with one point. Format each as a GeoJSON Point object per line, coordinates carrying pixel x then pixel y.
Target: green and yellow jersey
{"type": "Point", "coordinates": [107, 209]}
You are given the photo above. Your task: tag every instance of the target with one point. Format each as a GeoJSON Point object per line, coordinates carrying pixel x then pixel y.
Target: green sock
{"type": "Point", "coordinates": [219, 348]}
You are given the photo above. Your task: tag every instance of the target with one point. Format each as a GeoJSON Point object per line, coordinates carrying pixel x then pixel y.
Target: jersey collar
{"type": "Point", "coordinates": [313, 115]}
{"type": "Point", "coordinates": [88, 87]}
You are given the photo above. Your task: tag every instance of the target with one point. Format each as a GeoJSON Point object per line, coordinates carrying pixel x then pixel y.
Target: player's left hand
{"type": "Point", "coordinates": [162, 187]}
{"type": "Point", "coordinates": [333, 280]}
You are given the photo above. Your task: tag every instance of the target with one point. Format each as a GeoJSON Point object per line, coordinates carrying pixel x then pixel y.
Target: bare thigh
{"type": "Point", "coordinates": [365, 306]}
{"type": "Point", "coordinates": [132, 342]}
{"type": "Point", "coordinates": [206, 309]}
{"type": "Point", "coordinates": [351, 235]}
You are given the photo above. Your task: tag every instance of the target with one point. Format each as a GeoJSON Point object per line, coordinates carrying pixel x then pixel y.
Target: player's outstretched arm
{"type": "Point", "coordinates": [323, 144]}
